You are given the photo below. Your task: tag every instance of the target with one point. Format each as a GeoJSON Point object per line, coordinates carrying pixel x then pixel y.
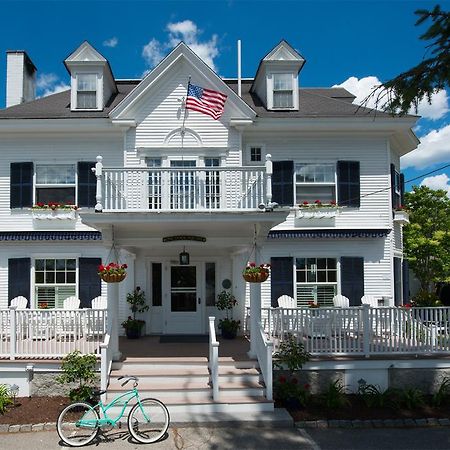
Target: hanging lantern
{"type": "Point", "coordinates": [184, 258]}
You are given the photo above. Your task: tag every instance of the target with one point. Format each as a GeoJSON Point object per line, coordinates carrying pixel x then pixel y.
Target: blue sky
{"type": "Point", "coordinates": [354, 43]}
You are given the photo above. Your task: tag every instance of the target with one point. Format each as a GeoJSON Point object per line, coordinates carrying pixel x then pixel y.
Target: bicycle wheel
{"type": "Point", "coordinates": [148, 421]}
{"type": "Point", "coordinates": [77, 424]}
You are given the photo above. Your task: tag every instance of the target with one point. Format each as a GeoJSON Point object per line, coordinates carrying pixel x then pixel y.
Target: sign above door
{"type": "Point", "coordinates": [184, 238]}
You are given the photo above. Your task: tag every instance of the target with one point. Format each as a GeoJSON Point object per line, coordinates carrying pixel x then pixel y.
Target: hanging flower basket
{"type": "Point", "coordinates": [113, 272]}
{"type": "Point", "coordinates": [256, 274]}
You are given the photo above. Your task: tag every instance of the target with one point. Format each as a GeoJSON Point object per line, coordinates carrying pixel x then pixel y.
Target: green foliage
{"type": "Point", "coordinates": [374, 397]}
{"type": "Point", "coordinates": [6, 398]}
{"type": "Point", "coordinates": [291, 354]}
{"type": "Point", "coordinates": [290, 391]}
{"type": "Point", "coordinates": [424, 298]}
{"type": "Point", "coordinates": [411, 398]}
{"type": "Point", "coordinates": [136, 300]}
{"type": "Point", "coordinates": [406, 90]}
{"type": "Point", "coordinates": [81, 394]}
{"type": "Point", "coordinates": [427, 237]}
{"type": "Point", "coordinates": [335, 396]}
{"type": "Point", "coordinates": [225, 302]}
{"type": "Point", "coordinates": [229, 325]}
{"type": "Point", "coordinates": [442, 396]}
{"type": "Point", "coordinates": [78, 368]}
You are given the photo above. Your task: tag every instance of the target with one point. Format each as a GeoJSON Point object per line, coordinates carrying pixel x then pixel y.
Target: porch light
{"type": "Point", "coordinates": [184, 257]}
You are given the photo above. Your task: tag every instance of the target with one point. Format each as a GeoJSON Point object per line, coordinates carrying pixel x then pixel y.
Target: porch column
{"type": "Point", "coordinates": [113, 314]}
{"type": "Point", "coordinates": [255, 315]}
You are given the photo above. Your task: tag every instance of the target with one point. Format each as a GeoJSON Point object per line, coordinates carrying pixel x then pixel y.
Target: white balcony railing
{"type": "Point", "coordinates": [181, 189]}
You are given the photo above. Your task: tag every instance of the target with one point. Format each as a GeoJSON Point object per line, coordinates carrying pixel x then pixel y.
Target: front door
{"type": "Point", "coordinates": [184, 304]}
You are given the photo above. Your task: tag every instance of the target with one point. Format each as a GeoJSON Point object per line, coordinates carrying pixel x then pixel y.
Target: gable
{"type": "Point", "coordinates": [85, 52]}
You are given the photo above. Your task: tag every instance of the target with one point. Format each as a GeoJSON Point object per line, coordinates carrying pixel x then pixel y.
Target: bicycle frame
{"type": "Point", "coordinates": [107, 420]}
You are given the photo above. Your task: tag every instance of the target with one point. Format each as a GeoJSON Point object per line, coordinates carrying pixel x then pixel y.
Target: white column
{"type": "Point", "coordinates": [98, 170]}
{"type": "Point", "coordinates": [113, 314]}
{"type": "Point", "coordinates": [255, 315]}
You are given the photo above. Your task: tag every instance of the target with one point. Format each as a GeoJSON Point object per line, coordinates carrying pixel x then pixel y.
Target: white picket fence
{"type": "Point", "coordinates": [361, 330]}
{"type": "Point", "coordinates": [51, 333]}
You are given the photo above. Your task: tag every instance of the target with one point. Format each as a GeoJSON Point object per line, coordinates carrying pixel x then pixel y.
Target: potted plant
{"type": "Point", "coordinates": [113, 272]}
{"type": "Point", "coordinates": [229, 327]}
{"type": "Point", "coordinates": [136, 300]}
{"type": "Point", "coordinates": [256, 274]}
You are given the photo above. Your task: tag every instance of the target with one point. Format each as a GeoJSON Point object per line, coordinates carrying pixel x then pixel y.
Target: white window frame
{"type": "Point", "coordinates": [270, 90]}
{"type": "Point", "coordinates": [99, 88]}
{"type": "Point", "coordinates": [248, 156]}
{"type": "Point", "coordinates": [37, 185]}
{"type": "Point", "coordinates": [328, 183]}
{"type": "Point", "coordinates": [35, 285]}
{"type": "Point", "coordinates": [336, 283]}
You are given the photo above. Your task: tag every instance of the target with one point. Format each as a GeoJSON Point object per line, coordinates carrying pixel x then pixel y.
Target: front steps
{"type": "Point", "coordinates": [183, 384]}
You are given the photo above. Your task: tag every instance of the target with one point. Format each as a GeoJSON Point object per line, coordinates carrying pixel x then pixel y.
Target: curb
{"type": "Point", "coordinates": [374, 423]}
{"type": "Point", "coordinates": [25, 428]}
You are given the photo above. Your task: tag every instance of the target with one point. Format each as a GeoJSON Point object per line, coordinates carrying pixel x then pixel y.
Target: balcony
{"type": "Point", "coordinates": [166, 189]}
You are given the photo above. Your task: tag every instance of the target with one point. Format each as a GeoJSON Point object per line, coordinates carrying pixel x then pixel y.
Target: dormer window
{"type": "Point", "coordinates": [86, 91]}
{"type": "Point", "coordinates": [283, 90]}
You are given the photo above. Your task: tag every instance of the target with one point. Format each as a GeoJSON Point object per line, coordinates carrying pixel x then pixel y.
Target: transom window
{"type": "Point", "coordinates": [282, 90]}
{"type": "Point", "coordinates": [86, 91]}
{"type": "Point", "coordinates": [315, 182]}
{"type": "Point", "coordinates": [55, 183]}
{"type": "Point", "coordinates": [316, 280]}
{"type": "Point", "coordinates": [55, 280]}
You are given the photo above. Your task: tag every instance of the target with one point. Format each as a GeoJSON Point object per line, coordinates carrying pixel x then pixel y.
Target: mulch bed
{"type": "Point", "coordinates": [34, 410]}
{"type": "Point", "coordinates": [358, 410]}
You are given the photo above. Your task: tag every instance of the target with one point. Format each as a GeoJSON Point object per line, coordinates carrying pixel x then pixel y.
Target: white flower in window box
{"type": "Point", "coordinates": [317, 210]}
{"type": "Point", "coordinates": [54, 211]}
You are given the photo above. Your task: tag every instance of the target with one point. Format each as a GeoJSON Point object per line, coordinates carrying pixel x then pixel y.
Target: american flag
{"type": "Point", "coordinates": [205, 101]}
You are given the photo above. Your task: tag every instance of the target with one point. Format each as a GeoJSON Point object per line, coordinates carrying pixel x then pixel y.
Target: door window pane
{"type": "Point", "coordinates": [210, 284]}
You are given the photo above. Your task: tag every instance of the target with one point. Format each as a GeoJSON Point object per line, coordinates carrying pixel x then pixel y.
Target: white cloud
{"type": "Point", "coordinates": [434, 148]}
{"type": "Point", "coordinates": [48, 84]}
{"type": "Point", "coordinates": [363, 87]}
{"type": "Point", "coordinates": [438, 182]}
{"type": "Point", "coordinates": [112, 42]}
{"type": "Point", "coordinates": [186, 31]}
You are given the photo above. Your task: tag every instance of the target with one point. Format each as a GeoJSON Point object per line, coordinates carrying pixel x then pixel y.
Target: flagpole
{"type": "Point", "coordinates": [184, 116]}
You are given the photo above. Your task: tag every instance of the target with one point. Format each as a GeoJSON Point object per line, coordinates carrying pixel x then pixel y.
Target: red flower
{"type": "Point", "coordinates": [306, 386]}
{"type": "Point", "coordinates": [282, 379]}
{"type": "Point", "coordinates": [40, 204]}
{"type": "Point", "coordinates": [332, 202]}
{"type": "Point", "coordinates": [306, 202]}
{"type": "Point", "coordinates": [317, 202]}
{"type": "Point", "coordinates": [252, 264]}
{"type": "Point", "coordinates": [124, 266]}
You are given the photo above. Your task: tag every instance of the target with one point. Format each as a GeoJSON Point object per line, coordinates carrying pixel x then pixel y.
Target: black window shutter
{"type": "Point", "coordinates": [398, 284]}
{"type": "Point", "coordinates": [402, 189]}
{"type": "Point", "coordinates": [349, 184]}
{"type": "Point", "coordinates": [405, 279]}
{"type": "Point", "coordinates": [352, 279]}
{"type": "Point", "coordinates": [90, 283]}
{"type": "Point", "coordinates": [19, 270]}
{"type": "Point", "coordinates": [283, 183]}
{"type": "Point", "coordinates": [281, 278]}
{"type": "Point", "coordinates": [87, 183]}
{"type": "Point", "coordinates": [21, 185]}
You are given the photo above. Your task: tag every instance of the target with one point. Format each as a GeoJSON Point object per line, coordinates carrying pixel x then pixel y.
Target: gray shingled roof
{"type": "Point", "coordinates": [314, 102]}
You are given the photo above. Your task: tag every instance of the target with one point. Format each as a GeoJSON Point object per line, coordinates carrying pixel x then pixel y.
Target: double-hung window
{"type": "Point", "coordinates": [55, 183]}
{"type": "Point", "coordinates": [314, 181]}
{"type": "Point", "coordinates": [86, 91]}
{"type": "Point", "coordinates": [316, 280]}
{"type": "Point", "coordinates": [154, 182]}
{"type": "Point", "coordinates": [54, 281]}
{"type": "Point", "coordinates": [212, 183]}
{"type": "Point", "coordinates": [283, 90]}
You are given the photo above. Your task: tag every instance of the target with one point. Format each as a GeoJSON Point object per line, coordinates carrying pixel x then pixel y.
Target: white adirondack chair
{"type": "Point", "coordinates": [71, 303]}
{"type": "Point", "coordinates": [369, 300]}
{"type": "Point", "coordinates": [96, 317]}
{"type": "Point", "coordinates": [285, 301]}
{"type": "Point", "coordinates": [99, 303]}
{"type": "Point", "coordinates": [19, 302]}
{"type": "Point", "coordinates": [289, 321]}
{"type": "Point", "coordinates": [341, 301]}
{"type": "Point", "coordinates": [69, 324]}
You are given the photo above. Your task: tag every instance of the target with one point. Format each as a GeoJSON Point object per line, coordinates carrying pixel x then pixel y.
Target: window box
{"type": "Point", "coordinates": [401, 216]}
{"type": "Point", "coordinates": [54, 214]}
{"type": "Point", "coordinates": [320, 216]}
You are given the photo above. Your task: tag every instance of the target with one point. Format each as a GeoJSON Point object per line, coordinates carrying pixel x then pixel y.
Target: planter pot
{"type": "Point", "coordinates": [229, 334]}
{"type": "Point", "coordinates": [292, 403]}
{"type": "Point", "coordinates": [133, 333]}
{"type": "Point", "coordinates": [113, 278]}
{"type": "Point", "coordinates": [258, 277]}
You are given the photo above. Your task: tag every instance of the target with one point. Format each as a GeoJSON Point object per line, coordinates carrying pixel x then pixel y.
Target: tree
{"type": "Point", "coordinates": [427, 237]}
{"type": "Point", "coordinates": [431, 75]}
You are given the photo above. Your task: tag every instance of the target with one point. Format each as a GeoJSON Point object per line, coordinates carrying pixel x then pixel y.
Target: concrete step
{"type": "Point", "coordinates": [172, 362]}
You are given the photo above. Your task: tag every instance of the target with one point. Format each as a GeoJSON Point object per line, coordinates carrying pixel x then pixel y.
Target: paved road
{"type": "Point", "coordinates": [232, 438]}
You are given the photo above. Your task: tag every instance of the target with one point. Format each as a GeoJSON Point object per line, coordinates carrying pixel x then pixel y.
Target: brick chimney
{"type": "Point", "coordinates": [20, 78]}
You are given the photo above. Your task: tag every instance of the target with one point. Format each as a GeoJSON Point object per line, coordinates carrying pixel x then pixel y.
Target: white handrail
{"type": "Point", "coordinates": [213, 362]}
{"type": "Point", "coordinates": [264, 350]}
{"type": "Point", "coordinates": [105, 361]}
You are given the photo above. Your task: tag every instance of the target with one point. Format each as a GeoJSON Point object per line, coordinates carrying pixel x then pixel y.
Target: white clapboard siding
{"type": "Point", "coordinates": [50, 149]}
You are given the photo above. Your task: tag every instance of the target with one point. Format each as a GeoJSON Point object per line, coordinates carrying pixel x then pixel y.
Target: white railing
{"type": "Point", "coordinates": [105, 361]}
{"type": "Point", "coordinates": [362, 330]}
{"type": "Point", "coordinates": [213, 360]}
{"type": "Point", "coordinates": [182, 189]}
{"type": "Point", "coordinates": [264, 350]}
{"type": "Point", "coordinates": [50, 333]}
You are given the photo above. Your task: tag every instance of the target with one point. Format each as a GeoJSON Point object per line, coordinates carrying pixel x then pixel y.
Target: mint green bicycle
{"type": "Point", "coordinates": [148, 420]}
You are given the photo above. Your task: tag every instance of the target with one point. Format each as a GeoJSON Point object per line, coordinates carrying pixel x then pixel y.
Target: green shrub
{"type": "Point", "coordinates": [442, 396]}
{"type": "Point", "coordinates": [374, 397]}
{"type": "Point", "coordinates": [335, 396]}
{"type": "Point", "coordinates": [291, 354]}
{"type": "Point", "coordinates": [80, 369]}
{"type": "Point", "coordinates": [411, 398]}
{"type": "Point", "coordinates": [424, 298]}
{"type": "Point", "coordinates": [6, 398]}
{"type": "Point", "coordinates": [291, 392]}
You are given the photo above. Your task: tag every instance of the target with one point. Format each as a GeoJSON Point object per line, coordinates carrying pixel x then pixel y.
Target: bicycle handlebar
{"type": "Point", "coordinates": [129, 378]}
